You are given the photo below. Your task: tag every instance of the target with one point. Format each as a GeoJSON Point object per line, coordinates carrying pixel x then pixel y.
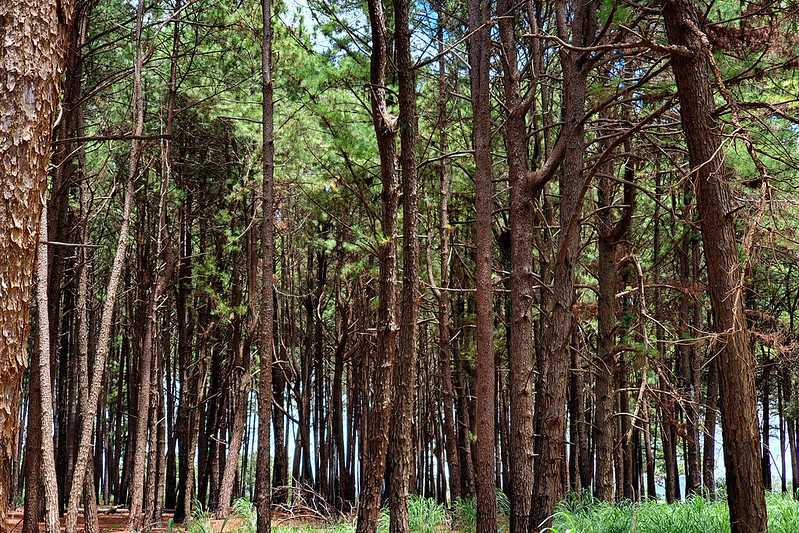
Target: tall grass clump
{"type": "Point", "coordinates": [464, 514]}
{"type": "Point", "coordinates": [425, 515]}
{"type": "Point", "coordinates": [245, 510]}
{"type": "Point", "coordinates": [783, 513]}
{"type": "Point", "coordinates": [200, 521]}
{"type": "Point", "coordinates": [584, 514]}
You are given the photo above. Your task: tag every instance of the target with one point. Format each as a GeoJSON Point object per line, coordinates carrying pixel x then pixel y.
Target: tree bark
{"type": "Point", "coordinates": [263, 480]}
{"type": "Point", "coordinates": [47, 457]}
{"type": "Point", "coordinates": [400, 447]}
{"type": "Point", "coordinates": [378, 418]}
{"type": "Point", "coordinates": [737, 365]}
{"type": "Point", "coordinates": [551, 400]}
{"type": "Point", "coordinates": [32, 60]}
{"type": "Point", "coordinates": [479, 63]}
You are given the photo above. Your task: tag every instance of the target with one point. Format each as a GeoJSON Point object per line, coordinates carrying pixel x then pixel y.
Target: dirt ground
{"type": "Point", "coordinates": [116, 522]}
{"type": "Point", "coordinates": [113, 522]}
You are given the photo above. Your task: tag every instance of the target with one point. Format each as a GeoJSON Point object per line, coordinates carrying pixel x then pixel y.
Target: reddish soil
{"type": "Point", "coordinates": [114, 522]}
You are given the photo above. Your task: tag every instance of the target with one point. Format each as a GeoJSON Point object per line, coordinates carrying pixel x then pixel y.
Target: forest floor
{"type": "Point", "coordinates": [117, 522]}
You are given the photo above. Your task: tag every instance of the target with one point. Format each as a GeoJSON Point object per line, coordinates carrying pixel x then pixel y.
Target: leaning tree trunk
{"type": "Point", "coordinates": [691, 63]}
{"type": "Point", "coordinates": [32, 59]}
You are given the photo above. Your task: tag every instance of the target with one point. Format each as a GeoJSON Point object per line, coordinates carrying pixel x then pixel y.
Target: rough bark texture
{"type": "Point", "coordinates": [736, 362]}
{"type": "Point", "coordinates": [522, 278]}
{"type": "Point", "coordinates": [47, 459]}
{"type": "Point", "coordinates": [145, 361]}
{"type": "Point", "coordinates": [605, 364]}
{"type": "Point", "coordinates": [263, 481]}
{"type": "Point", "coordinates": [551, 400]}
{"type": "Point", "coordinates": [378, 417]}
{"type": "Point", "coordinates": [401, 461]}
{"type": "Point", "coordinates": [32, 58]}
{"type": "Point", "coordinates": [479, 56]}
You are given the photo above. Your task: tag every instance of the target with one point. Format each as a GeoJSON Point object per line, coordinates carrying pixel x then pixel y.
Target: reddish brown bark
{"type": "Point", "coordinates": [374, 442]}
{"type": "Point", "coordinates": [691, 66]}
{"type": "Point", "coordinates": [479, 63]}
{"type": "Point", "coordinates": [32, 59]}
{"type": "Point", "coordinates": [263, 480]}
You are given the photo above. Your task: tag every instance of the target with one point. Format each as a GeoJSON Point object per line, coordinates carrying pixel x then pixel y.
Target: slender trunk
{"type": "Point", "coordinates": [239, 409]}
{"type": "Point", "coordinates": [34, 501]}
{"type": "Point", "coordinates": [148, 395]}
{"type": "Point", "coordinates": [551, 401]}
{"type": "Point", "coordinates": [375, 442]}
{"type": "Point", "coordinates": [479, 62]}
{"type": "Point", "coordinates": [765, 457]}
{"type": "Point", "coordinates": [104, 334]}
{"type": "Point", "coordinates": [442, 295]}
{"type": "Point", "coordinates": [47, 457]}
{"type": "Point", "coordinates": [738, 395]}
{"type": "Point", "coordinates": [709, 456]}
{"type": "Point", "coordinates": [781, 419]}
{"type": "Point", "coordinates": [263, 481]}
{"type": "Point", "coordinates": [400, 447]}
{"type": "Point", "coordinates": [605, 364]}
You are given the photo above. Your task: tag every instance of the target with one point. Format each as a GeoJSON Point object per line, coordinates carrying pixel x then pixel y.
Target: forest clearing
{"type": "Point", "coordinates": [407, 264]}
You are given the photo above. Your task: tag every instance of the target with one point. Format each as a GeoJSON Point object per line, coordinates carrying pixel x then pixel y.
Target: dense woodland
{"type": "Point", "coordinates": [537, 246]}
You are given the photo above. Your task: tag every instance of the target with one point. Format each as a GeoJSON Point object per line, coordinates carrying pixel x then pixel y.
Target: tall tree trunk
{"type": "Point", "coordinates": [551, 401]}
{"type": "Point", "coordinates": [738, 395]}
{"type": "Point", "coordinates": [263, 489]}
{"type": "Point", "coordinates": [479, 63]}
{"type": "Point", "coordinates": [400, 448]}
{"type": "Point", "coordinates": [32, 60]}
{"type": "Point", "coordinates": [47, 458]}
{"type": "Point", "coordinates": [522, 279]}
{"type": "Point", "coordinates": [442, 294]}
{"type": "Point", "coordinates": [375, 438]}
{"type": "Point", "coordinates": [104, 334]}
{"type": "Point", "coordinates": [147, 395]}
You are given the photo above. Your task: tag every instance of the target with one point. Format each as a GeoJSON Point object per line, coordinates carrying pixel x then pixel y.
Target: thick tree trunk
{"type": "Point", "coordinates": [738, 395]}
{"type": "Point", "coordinates": [522, 279]}
{"type": "Point", "coordinates": [32, 60]}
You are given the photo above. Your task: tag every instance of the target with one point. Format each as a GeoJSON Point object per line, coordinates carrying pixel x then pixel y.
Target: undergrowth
{"type": "Point", "coordinates": [584, 514]}
{"type": "Point", "coordinates": [578, 513]}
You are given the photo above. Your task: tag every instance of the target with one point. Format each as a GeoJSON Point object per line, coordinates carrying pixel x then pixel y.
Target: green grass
{"type": "Point", "coordinates": [576, 514]}
{"type": "Point", "coordinates": [583, 514]}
